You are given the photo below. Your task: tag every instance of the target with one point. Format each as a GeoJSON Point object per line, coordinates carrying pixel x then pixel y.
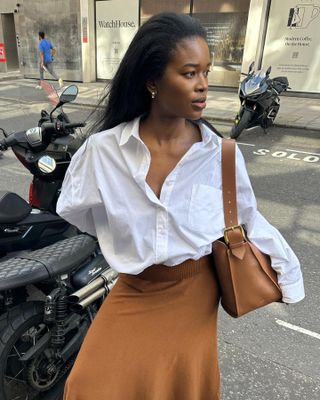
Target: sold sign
{"type": "Point", "coordinates": [291, 155]}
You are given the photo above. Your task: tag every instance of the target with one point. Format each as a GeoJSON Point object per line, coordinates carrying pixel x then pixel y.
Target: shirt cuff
{"type": "Point", "coordinates": [293, 293]}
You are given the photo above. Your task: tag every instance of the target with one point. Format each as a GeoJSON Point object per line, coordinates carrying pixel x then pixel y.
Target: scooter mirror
{"type": "Point", "coordinates": [47, 164]}
{"type": "Point", "coordinates": [69, 94]}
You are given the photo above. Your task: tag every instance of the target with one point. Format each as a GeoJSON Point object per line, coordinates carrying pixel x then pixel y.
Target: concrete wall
{"type": "Point", "coordinates": [8, 6]}
{"type": "Point", "coordinates": [88, 40]}
{"type": "Point", "coordinates": [256, 27]}
{"type": "Point", "coordinates": [60, 20]}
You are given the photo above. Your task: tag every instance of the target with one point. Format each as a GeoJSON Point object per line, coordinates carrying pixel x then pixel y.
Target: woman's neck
{"type": "Point", "coordinates": [164, 131]}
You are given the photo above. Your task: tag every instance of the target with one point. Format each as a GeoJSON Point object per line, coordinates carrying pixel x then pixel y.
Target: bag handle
{"type": "Point", "coordinates": [233, 232]}
{"type": "Point", "coordinates": [228, 161]}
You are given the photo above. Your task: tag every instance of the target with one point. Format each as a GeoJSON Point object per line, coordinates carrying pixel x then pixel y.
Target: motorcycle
{"type": "Point", "coordinates": [50, 294]}
{"type": "Point", "coordinates": [259, 98]}
{"type": "Point", "coordinates": [63, 286]}
{"type": "Point", "coordinates": [43, 150]}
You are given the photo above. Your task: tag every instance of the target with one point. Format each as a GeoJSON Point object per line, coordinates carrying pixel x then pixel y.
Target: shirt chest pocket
{"type": "Point", "coordinates": [206, 209]}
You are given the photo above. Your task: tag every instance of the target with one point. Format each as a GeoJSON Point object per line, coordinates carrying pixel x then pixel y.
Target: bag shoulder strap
{"type": "Point", "coordinates": [228, 167]}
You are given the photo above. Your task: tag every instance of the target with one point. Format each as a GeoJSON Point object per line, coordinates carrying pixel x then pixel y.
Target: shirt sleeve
{"type": "Point", "coordinates": [80, 194]}
{"type": "Point", "coordinates": [267, 238]}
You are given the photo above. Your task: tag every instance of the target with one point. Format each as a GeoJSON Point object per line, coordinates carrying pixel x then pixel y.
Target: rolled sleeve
{"type": "Point", "coordinates": [267, 238]}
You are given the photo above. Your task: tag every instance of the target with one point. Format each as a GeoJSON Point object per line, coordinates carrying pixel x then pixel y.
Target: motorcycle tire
{"type": "Point", "coordinates": [24, 327]}
{"type": "Point", "coordinates": [243, 123]}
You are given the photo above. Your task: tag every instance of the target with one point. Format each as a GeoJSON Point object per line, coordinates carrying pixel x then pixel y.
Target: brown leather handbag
{"type": "Point", "coordinates": [247, 280]}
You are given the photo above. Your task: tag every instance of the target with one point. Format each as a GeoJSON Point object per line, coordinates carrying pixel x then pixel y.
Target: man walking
{"type": "Point", "coordinates": [46, 52]}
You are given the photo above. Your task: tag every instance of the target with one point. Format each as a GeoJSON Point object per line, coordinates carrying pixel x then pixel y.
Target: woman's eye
{"type": "Point", "coordinates": [189, 75]}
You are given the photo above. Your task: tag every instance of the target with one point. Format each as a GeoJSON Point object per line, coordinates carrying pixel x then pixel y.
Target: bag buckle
{"type": "Point", "coordinates": [232, 228]}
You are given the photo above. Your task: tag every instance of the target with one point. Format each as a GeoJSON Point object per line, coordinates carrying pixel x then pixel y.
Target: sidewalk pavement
{"type": "Point", "coordinates": [222, 105]}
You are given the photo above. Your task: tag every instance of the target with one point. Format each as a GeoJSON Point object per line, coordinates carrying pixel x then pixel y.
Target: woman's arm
{"type": "Point", "coordinates": [80, 192]}
{"type": "Point", "coordinates": [267, 238]}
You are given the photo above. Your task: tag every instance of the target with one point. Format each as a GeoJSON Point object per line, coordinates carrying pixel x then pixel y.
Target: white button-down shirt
{"type": "Point", "coordinates": [105, 193]}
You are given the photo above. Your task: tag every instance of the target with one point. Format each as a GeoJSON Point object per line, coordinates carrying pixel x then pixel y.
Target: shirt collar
{"type": "Point", "coordinates": [131, 129]}
{"type": "Point", "coordinates": [208, 136]}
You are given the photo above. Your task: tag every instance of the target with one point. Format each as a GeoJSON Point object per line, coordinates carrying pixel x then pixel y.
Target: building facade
{"type": "Point", "coordinates": [91, 36]}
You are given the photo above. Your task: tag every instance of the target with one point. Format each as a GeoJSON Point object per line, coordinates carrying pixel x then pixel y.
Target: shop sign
{"type": "Point", "coordinates": [292, 43]}
{"type": "Point", "coordinates": [116, 23]}
{"type": "Point", "coordinates": [84, 30]}
{"type": "Point", "coordinates": [2, 53]}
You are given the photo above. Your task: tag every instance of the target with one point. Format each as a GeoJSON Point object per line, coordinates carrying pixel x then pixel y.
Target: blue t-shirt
{"type": "Point", "coordinates": [45, 47]}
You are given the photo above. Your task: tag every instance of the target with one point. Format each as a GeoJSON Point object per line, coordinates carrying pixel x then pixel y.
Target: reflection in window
{"type": "Point", "coordinates": [151, 7]}
{"type": "Point", "coordinates": [226, 23]}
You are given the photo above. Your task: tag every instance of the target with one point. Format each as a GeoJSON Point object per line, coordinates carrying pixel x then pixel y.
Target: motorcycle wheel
{"type": "Point", "coordinates": [243, 123]}
{"type": "Point", "coordinates": [24, 328]}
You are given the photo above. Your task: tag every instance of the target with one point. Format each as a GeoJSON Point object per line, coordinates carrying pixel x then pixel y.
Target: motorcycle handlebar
{"type": "Point", "coordinates": [60, 126]}
{"type": "Point", "coordinates": [51, 128]}
{"type": "Point", "coordinates": [75, 125]}
{"type": "Point", "coordinates": [10, 140]}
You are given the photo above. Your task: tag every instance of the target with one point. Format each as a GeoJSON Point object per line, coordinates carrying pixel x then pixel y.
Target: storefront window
{"type": "Point", "coordinates": [226, 23]}
{"type": "Point", "coordinates": [151, 7]}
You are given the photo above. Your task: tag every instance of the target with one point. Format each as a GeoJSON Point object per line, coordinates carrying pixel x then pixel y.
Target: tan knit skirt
{"type": "Point", "coordinates": [154, 338]}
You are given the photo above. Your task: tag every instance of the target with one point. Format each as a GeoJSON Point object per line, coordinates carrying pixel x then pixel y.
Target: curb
{"type": "Point", "coordinates": [209, 118]}
{"type": "Point", "coordinates": [21, 101]}
{"type": "Point", "coordinates": [276, 125]}
{"type": "Point", "coordinates": [10, 78]}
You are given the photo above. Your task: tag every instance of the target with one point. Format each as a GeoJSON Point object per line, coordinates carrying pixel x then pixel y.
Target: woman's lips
{"type": "Point", "coordinates": [199, 104]}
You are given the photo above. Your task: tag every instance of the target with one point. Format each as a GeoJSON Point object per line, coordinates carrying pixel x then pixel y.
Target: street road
{"type": "Point", "coordinates": [272, 353]}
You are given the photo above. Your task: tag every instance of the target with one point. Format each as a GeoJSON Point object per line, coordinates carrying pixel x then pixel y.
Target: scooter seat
{"type": "Point", "coordinates": [13, 208]}
{"type": "Point", "coordinates": [46, 263]}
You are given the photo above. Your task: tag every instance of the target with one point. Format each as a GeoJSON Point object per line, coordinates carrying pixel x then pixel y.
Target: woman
{"type": "Point", "coordinates": [149, 187]}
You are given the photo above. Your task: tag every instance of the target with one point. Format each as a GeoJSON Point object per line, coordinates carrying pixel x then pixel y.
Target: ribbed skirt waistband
{"type": "Point", "coordinates": [163, 273]}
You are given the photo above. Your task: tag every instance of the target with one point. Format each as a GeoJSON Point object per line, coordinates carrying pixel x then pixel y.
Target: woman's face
{"type": "Point", "coordinates": [182, 91]}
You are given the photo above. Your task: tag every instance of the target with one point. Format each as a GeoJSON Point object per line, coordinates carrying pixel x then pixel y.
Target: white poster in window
{"type": "Point", "coordinates": [292, 45]}
{"type": "Point", "coordinates": [116, 23]}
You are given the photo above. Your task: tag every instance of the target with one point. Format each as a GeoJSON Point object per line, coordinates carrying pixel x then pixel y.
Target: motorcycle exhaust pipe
{"type": "Point", "coordinates": [85, 302]}
{"type": "Point", "coordinates": [92, 287]}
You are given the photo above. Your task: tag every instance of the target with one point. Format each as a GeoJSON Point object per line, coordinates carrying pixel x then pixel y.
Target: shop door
{"type": "Point", "coordinates": [10, 44]}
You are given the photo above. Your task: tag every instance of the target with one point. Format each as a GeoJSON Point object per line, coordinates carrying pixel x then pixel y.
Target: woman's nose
{"type": "Point", "coordinates": [202, 83]}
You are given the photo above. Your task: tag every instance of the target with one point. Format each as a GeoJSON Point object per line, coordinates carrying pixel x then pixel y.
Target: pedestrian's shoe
{"type": "Point", "coordinates": [60, 80]}
{"type": "Point", "coordinates": [39, 87]}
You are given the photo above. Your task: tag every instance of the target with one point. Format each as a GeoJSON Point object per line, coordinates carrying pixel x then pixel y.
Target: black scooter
{"type": "Point", "coordinates": [49, 296]}
{"type": "Point", "coordinates": [260, 102]}
{"type": "Point", "coordinates": [43, 150]}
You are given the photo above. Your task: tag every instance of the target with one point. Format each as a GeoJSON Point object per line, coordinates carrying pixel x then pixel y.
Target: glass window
{"type": "Point", "coordinates": [151, 7]}
{"type": "Point", "coordinates": [226, 24]}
